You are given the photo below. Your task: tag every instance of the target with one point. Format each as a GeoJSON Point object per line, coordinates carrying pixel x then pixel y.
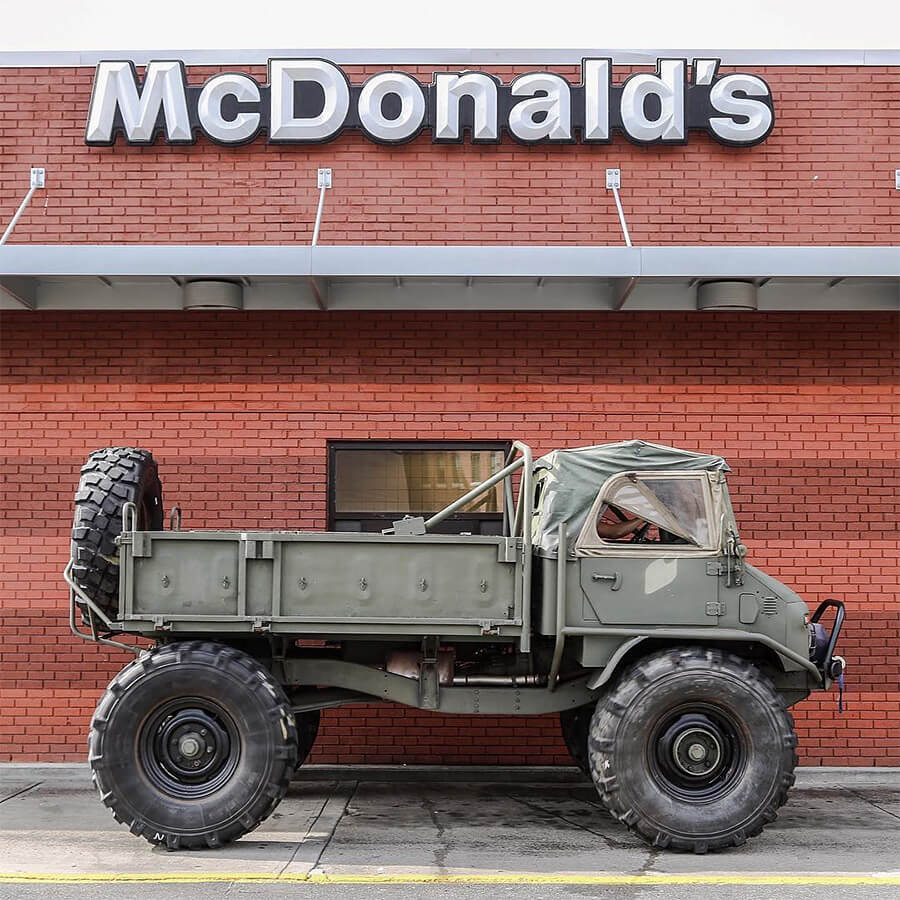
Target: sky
{"type": "Point", "coordinates": [302, 24]}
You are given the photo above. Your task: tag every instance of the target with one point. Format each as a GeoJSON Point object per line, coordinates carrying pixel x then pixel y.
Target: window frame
{"type": "Point", "coordinates": [590, 543]}
{"type": "Point", "coordinates": [389, 516]}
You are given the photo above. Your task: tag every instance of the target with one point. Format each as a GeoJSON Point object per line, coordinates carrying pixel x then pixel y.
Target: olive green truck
{"type": "Point", "coordinates": [618, 595]}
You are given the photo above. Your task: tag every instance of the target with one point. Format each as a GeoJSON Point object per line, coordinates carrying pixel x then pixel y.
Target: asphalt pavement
{"type": "Point", "coordinates": [393, 832]}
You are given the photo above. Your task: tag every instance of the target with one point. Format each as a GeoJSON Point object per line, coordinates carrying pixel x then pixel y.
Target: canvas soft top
{"type": "Point", "coordinates": [568, 481]}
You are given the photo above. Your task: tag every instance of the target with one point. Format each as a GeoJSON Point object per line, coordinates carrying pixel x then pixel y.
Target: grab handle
{"type": "Point", "coordinates": [615, 578]}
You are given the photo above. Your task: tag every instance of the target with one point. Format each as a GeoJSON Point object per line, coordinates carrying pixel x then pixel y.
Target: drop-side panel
{"type": "Point", "coordinates": [395, 581]}
{"type": "Point", "coordinates": [342, 583]}
{"type": "Point", "coordinates": [187, 578]}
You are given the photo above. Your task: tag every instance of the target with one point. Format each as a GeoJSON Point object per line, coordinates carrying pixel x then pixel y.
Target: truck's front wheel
{"type": "Point", "coordinates": [693, 749]}
{"type": "Point", "coordinates": [192, 745]}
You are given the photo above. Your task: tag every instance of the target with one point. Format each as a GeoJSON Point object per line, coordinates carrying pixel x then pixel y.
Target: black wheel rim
{"type": "Point", "coordinates": [189, 747]}
{"type": "Point", "coordinates": [697, 753]}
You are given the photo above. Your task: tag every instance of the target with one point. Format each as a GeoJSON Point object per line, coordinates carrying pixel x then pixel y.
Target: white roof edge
{"type": "Point", "coordinates": [235, 261]}
{"type": "Point", "coordinates": [453, 57]}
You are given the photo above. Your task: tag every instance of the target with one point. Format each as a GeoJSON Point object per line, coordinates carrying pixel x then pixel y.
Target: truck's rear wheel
{"type": "Point", "coordinates": [192, 745]}
{"type": "Point", "coordinates": [575, 725]}
{"type": "Point", "coordinates": [693, 749]}
{"type": "Point", "coordinates": [109, 479]}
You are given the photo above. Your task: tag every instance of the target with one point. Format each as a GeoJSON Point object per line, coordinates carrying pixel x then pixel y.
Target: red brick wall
{"type": "Point", "coordinates": [238, 407]}
{"type": "Point", "coordinates": [824, 175]}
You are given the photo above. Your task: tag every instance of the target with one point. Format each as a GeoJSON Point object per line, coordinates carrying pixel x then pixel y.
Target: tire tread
{"type": "Point", "coordinates": [109, 478]}
{"type": "Point", "coordinates": [623, 694]}
{"type": "Point", "coordinates": [236, 663]}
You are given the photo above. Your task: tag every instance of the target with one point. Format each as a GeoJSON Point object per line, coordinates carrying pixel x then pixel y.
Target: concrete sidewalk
{"type": "Point", "coordinates": [452, 826]}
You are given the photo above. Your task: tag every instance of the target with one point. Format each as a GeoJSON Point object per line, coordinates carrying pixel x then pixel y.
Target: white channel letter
{"type": "Point", "coordinates": [723, 100]}
{"type": "Point", "coordinates": [115, 85]}
{"type": "Point", "coordinates": [412, 106]}
{"type": "Point", "coordinates": [595, 78]}
{"type": "Point", "coordinates": [450, 89]}
{"type": "Point", "coordinates": [668, 85]}
{"type": "Point", "coordinates": [209, 108]}
{"type": "Point", "coordinates": [557, 104]}
{"type": "Point", "coordinates": [283, 76]}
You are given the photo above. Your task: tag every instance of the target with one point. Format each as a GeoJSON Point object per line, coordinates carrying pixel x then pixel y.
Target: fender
{"type": "Point", "coordinates": [635, 637]}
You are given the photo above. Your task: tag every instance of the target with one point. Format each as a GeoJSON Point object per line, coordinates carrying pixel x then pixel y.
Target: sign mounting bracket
{"type": "Point", "coordinates": [36, 181]}
{"type": "Point", "coordinates": [319, 287]}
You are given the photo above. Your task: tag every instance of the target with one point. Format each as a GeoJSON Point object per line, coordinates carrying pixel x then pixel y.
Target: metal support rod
{"type": "Point", "coordinates": [315, 237]}
{"type": "Point", "coordinates": [18, 214]}
{"type": "Point", "coordinates": [37, 176]}
{"type": "Point", "coordinates": [624, 291]}
{"type": "Point", "coordinates": [509, 506]}
{"type": "Point", "coordinates": [561, 560]}
{"type": "Point", "coordinates": [92, 610]}
{"type": "Point", "coordinates": [623, 288]}
{"type": "Point", "coordinates": [476, 491]}
{"type": "Point", "coordinates": [490, 680]}
{"type": "Point", "coordinates": [523, 509]}
{"type": "Point", "coordinates": [624, 225]}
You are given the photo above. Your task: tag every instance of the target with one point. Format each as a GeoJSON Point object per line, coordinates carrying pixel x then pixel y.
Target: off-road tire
{"type": "Point", "coordinates": [637, 762]}
{"type": "Point", "coordinates": [575, 724]}
{"type": "Point", "coordinates": [132, 722]}
{"type": "Point", "coordinates": [110, 478]}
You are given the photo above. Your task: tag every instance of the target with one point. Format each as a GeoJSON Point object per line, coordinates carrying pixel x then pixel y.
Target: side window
{"type": "Point", "coordinates": [685, 498]}
{"type": "Point", "coordinates": [653, 510]}
{"type": "Point", "coordinates": [373, 483]}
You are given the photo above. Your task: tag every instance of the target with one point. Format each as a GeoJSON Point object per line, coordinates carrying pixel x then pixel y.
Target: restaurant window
{"type": "Point", "coordinates": [372, 483]}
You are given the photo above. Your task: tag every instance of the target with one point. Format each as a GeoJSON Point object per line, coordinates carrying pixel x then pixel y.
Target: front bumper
{"type": "Point", "coordinates": [830, 665]}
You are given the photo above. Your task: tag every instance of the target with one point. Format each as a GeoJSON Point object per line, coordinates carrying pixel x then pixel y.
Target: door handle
{"type": "Point", "coordinates": [615, 578]}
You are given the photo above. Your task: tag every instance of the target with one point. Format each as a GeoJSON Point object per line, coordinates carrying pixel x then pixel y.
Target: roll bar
{"type": "Point", "coordinates": [516, 518]}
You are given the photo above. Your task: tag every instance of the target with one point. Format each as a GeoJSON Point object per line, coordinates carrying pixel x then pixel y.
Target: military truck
{"type": "Point", "coordinates": [618, 595]}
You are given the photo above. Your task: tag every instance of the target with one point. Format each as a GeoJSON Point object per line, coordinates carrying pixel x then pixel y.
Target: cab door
{"type": "Point", "coordinates": [663, 573]}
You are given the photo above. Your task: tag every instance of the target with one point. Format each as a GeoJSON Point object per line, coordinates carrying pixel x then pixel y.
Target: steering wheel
{"type": "Point", "coordinates": [640, 535]}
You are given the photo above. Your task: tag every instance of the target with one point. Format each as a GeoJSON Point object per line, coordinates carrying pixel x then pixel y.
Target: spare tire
{"type": "Point", "coordinates": [109, 479]}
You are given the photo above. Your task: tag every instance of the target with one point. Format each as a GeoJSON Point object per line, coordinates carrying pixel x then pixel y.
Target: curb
{"type": "Point", "coordinates": [807, 776]}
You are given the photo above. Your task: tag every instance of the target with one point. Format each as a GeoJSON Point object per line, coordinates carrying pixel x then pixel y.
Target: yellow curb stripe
{"type": "Point", "coordinates": [426, 878]}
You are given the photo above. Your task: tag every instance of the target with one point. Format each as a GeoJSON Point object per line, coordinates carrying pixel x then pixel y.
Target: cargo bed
{"type": "Point", "coordinates": [315, 583]}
